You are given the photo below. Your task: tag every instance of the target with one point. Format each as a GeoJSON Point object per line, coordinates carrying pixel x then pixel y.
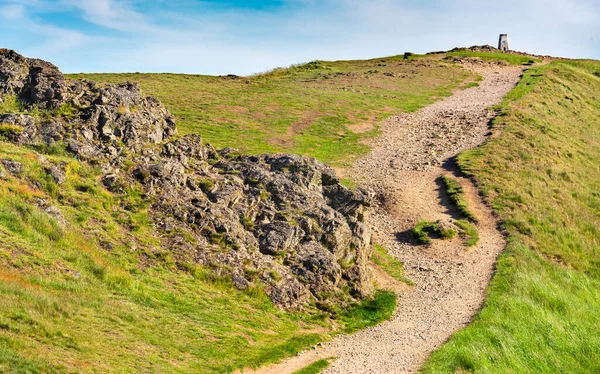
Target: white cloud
{"type": "Point", "coordinates": [12, 12]}
{"type": "Point", "coordinates": [45, 40]}
{"type": "Point", "coordinates": [112, 14]}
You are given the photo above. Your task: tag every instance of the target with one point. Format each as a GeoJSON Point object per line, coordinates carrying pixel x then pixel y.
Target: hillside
{"type": "Point", "coordinates": [321, 109]}
{"type": "Point", "coordinates": [116, 232]}
{"type": "Point", "coordinates": [136, 240]}
{"type": "Point", "coordinates": [540, 172]}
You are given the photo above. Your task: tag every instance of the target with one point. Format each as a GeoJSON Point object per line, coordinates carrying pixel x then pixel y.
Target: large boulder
{"type": "Point", "coordinates": [32, 81]}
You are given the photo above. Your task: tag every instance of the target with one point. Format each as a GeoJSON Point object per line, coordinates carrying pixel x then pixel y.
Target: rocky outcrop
{"type": "Point", "coordinates": [282, 222]}
{"type": "Point", "coordinates": [92, 120]}
{"type": "Point", "coordinates": [33, 81]}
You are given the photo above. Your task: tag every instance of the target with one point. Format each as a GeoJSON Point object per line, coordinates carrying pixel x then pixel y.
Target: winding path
{"type": "Point", "coordinates": [449, 279]}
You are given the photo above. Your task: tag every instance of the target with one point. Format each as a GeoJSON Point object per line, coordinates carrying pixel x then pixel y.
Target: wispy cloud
{"type": "Point", "coordinates": [13, 12]}
{"type": "Point", "coordinates": [112, 14]}
{"type": "Point", "coordinates": [48, 38]}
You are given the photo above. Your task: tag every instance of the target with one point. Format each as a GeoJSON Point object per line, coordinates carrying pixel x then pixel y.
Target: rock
{"type": "Point", "coordinates": [33, 81]}
{"type": "Point", "coordinates": [283, 221]}
{"type": "Point", "coordinates": [113, 115]}
{"type": "Point", "coordinates": [51, 210]}
{"type": "Point", "coordinates": [14, 70]}
{"type": "Point", "coordinates": [47, 87]}
{"type": "Point", "coordinates": [57, 173]}
{"type": "Point", "coordinates": [12, 167]}
{"type": "Point", "coordinates": [278, 237]}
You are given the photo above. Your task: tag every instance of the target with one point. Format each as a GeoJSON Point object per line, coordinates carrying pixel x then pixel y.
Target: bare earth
{"type": "Point", "coordinates": [449, 279]}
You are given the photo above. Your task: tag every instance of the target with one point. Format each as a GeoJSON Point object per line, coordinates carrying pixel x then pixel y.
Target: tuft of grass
{"type": "Point", "coordinates": [369, 312]}
{"type": "Point", "coordinates": [314, 368]}
{"type": "Point", "coordinates": [468, 231]}
{"type": "Point", "coordinates": [389, 263]}
{"type": "Point", "coordinates": [7, 129]}
{"type": "Point", "coordinates": [247, 222]}
{"type": "Point", "coordinates": [540, 173]}
{"type": "Point", "coordinates": [66, 110]}
{"type": "Point", "coordinates": [456, 195]}
{"type": "Point", "coordinates": [424, 230]}
{"type": "Point", "coordinates": [206, 185]}
{"type": "Point", "coordinates": [10, 104]}
{"type": "Point", "coordinates": [348, 182]}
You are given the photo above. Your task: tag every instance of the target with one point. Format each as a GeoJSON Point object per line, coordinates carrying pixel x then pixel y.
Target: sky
{"type": "Point", "coordinates": [246, 37]}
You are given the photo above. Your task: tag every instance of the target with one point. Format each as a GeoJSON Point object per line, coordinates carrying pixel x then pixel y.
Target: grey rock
{"type": "Point", "coordinates": [13, 167]}
{"type": "Point", "coordinates": [33, 81]}
{"type": "Point", "coordinates": [57, 173]}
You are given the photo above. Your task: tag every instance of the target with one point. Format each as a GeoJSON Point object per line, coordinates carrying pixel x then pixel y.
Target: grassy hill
{"type": "Point", "coordinates": [322, 109]}
{"type": "Point", "coordinates": [97, 293]}
{"type": "Point", "coordinates": [541, 172]}
{"type": "Point", "coordinates": [92, 290]}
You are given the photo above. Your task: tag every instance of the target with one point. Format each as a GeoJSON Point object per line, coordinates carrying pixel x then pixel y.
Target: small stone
{"type": "Point", "coordinates": [57, 174]}
{"type": "Point", "coordinates": [13, 167]}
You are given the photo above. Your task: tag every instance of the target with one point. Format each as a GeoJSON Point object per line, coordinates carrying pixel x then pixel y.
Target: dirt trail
{"type": "Point", "coordinates": [450, 280]}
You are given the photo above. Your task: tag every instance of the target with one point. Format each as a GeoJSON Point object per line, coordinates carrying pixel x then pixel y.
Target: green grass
{"type": "Point", "coordinates": [10, 104]}
{"type": "Point", "coordinates": [103, 280]}
{"type": "Point", "coordinates": [456, 195]}
{"type": "Point", "coordinates": [314, 368]}
{"type": "Point", "coordinates": [540, 172]}
{"type": "Point", "coordinates": [369, 312]}
{"type": "Point", "coordinates": [512, 59]}
{"type": "Point", "coordinates": [8, 129]}
{"type": "Point", "coordinates": [425, 230]}
{"type": "Point", "coordinates": [322, 109]}
{"type": "Point", "coordinates": [468, 231]}
{"type": "Point", "coordinates": [69, 292]}
{"type": "Point", "coordinates": [389, 263]}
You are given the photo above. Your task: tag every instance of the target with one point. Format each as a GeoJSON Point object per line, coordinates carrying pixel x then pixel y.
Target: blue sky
{"type": "Point", "coordinates": [244, 37]}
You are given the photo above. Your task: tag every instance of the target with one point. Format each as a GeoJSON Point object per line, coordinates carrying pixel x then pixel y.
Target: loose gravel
{"type": "Point", "coordinates": [449, 279]}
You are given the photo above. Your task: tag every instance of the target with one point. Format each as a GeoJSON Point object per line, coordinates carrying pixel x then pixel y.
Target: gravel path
{"type": "Point", "coordinates": [450, 280]}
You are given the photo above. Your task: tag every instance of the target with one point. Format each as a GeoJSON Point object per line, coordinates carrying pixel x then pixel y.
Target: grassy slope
{"type": "Point", "coordinates": [101, 294]}
{"type": "Point", "coordinates": [542, 175]}
{"type": "Point", "coordinates": [68, 305]}
{"type": "Point", "coordinates": [322, 109]}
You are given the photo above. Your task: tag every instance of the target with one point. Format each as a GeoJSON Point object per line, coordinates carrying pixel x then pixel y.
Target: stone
{"type": "Point", "coordinates": [57, 173]}
{"type": "Point", "coordinates": [33, 81]}
{"type": "Point", "coordinates": [12, 167]}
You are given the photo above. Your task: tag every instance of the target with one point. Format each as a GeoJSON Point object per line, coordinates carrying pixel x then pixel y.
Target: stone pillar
{"type": "Point", "coordinates": [503, 42]}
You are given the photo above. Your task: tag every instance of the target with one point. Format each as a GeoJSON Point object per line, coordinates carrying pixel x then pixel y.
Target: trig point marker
{"type": "Point", "coordinates": [503, 42]}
